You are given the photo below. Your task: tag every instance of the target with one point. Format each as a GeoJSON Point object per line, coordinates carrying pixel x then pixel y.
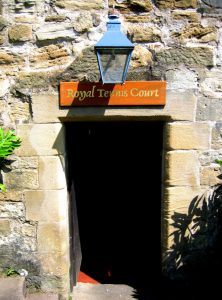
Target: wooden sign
{"type": "Point", "coordinates": [98, 94]}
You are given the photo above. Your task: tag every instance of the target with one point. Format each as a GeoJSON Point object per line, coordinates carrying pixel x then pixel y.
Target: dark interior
{"type": "Point", "coordinates": [116, 168]}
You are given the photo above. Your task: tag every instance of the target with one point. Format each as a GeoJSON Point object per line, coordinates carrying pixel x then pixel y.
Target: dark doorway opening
{"type": "Point", "coordinates": [116, 169]}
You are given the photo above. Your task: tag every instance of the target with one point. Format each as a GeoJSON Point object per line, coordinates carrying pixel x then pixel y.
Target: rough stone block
{"type": "Point", "coordinates": [84, 22]}
{"type": "Point", "coordinates": [45, 108]}
{"type": "Point", "coordinates": [10, 61]}
{"type": "Point", "coordinates": [20, 111]}
{"type": "Point", "coordinates": [209, 176]}
{"type": "Point", "coordinates": [5, 228]}
{"type": "Point", "coordinates": [209, 109]}
{"type": "Point", "coordinates": [55, 263]}
{"type": "Point", "coordinates": [144, 34]}
{"type": "Point", "coordinates": [181, 79]}
{"type": "Point", "coordinates": [188, 136]}
{"type": "Point", "coordinates": [12, 210]}
{"type": "Point", "coordinates": [39, 139]}
{"type": "Point", "coordinates": [141, 57]}
{"type": "Point", "coordinates": [49, 56]}
{"type": "Point", "coordinates": [189, 56]}
{"type": "Point", "coordinates": [178, 199]}
{"type": "Point", "coordinates": [80, 4]}
{"type": "Point", "coordinates": [182, 168]}
{"type": "Point", "coordinates": [51, 173]}
{"type": "Point", "coordinates": [20, 33]}
{"type": "Point", "coordinates": [53, 238]}
{"type": "Point", "coordinates": [12, 196]}
{"type": "Point", "coordinates": [46, 206]}
{"type": "Point", "coordinates": [21, 179]}
{"type": "Point", "coordinates": [179, 106]}
{"type": "Point", "coordinates": [217, 136]}
{"type": "Point", "coordinates": [211, 86]}
{"type": "Point", "coordinates": [186, 15]}
{"type": "Point", "coordinates": [4, 87]}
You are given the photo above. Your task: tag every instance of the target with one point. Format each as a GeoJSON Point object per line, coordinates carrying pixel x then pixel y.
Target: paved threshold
{"type": "Point", "coordinates": [89, 291]}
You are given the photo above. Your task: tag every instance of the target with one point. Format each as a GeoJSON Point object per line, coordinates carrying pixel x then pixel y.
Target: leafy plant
{"type": "Point", "coordinates": [11, 272]}
{"type": "Point", "coordinates": [218, 161]}
{"type": "Point", "coordinates": [8, 142]}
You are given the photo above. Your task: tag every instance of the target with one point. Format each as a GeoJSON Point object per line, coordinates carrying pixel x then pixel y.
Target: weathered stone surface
{"type": "Point", "coordinates": [4, 86]}
{"type": "Point", "coordinates": [144, 34]}
{"type": "Point", "coordinates": [23, 163]}
{"type": "Point", "coordinates": [188, 136]}
{"type": "Point", "coordinates": [39, 139]}
{"type": "Point", "coordinates": [51, 173]}
{"type": "Point", "coordinates": [207, 158]}
{"type": "Point", "coordinates": [55, 263]}
{"type": "Point", "coordinates": [54, 32]}
{"type": "Point", "coordinates": [189, 56]}
{"type": "Point", "coordinates": [18, 180]}
{"type": "Point", "coordinates": [191, 16]}
{"type": "Point", "coordinates": [45, 108]}
{"type": "Point", "coordinates": [83, 22]}
{"type": "Point", "coordinates": [53, 55]}
{"type": "Point", "coordinates": [179, 106]}
{"type": "Point", "coordinates": [181, 79]}
{"type": "Point", "coordinates": [20, 33]}
{"type": "Point", "coordinates": [36, 81]}
{"type": "Point", "coordinates": [137, 18]}
{"type": "Point", "coordinates": [12, 210]}
{"type": "Point", "coordinates": [53, 238]}
{"type": "Point", "coordinates": [185, 3]}
{"type": "Point", "coordinates": [2, 39]}
{"type": "Point", "coordinates": [3, 22]}
{"type": "Point", "coordinates": [217, 136]}
{"type": "Point", "coordinates": [213, 3]}
{"type": "Point", "coordinates": [144, 5]}
{"type": "Point", "coordinates": [178, 199]}
{"type": "Point", "coordinates": [29, 230]}
{"type": "Point", "coordinates": [85, 67]}
{"type": "Point", "coordinates": [141, 57]}
{"type": "Point", "coordinates": [80, 4]}
{"type": "Point", "coordinates": [163, 4]}
{"type": "Point", "coordinates": [209, 176]}
{"type": "Point", "coordinates": [46, 206]}
{"type": "Point", "coordinates": [202, 34]}
{"type": "Point", "coordinates": [209, 109]}
{"type": "Point", "coordinates": [182, 168]}
{"type": "Point", "coordinates": [10, 61]}
{"type": "Point", "coordinates": [12, 196]}
{"type": "Point", "coordinates": [27, 6]}
{"type": "Point", "coordinates": [211, 86]}
{"type": "Point", "coordinates": [55, 18]}
{"type": "Point", "coordinates": [5, 228]}
{"type": "Point", "coordinates": [25, 19]}
{"type": "Point", "coordinates": [20, 111]}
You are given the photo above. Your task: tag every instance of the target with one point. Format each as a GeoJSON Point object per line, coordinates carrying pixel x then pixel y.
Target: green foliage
{"type": "Point", "coordinates": [218, 161]}
{"type": "Point", "coordinates": [11, 272]}
{"type": "Point", "coordinates": [8, 142]}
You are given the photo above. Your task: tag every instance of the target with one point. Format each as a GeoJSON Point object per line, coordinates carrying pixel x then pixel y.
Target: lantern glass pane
{"type": "Point", "coordinates": [113, 64]}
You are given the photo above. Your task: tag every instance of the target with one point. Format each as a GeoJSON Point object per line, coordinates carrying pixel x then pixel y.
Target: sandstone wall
{"type": "Point", "coordinates": [43, 42]}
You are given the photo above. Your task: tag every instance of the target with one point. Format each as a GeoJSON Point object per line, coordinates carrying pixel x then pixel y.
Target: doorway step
{"type": "Point", "coordinates": [90, 291]}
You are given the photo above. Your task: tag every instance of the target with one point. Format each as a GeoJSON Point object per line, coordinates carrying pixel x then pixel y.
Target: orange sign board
{"type": "Point", "coordinates": [98, 94]}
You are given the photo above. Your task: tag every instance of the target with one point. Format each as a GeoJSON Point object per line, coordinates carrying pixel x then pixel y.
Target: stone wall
{"type": "Point", "coordinates": [43, 42]}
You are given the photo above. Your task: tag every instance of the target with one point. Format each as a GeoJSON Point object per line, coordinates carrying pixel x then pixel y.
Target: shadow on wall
{"type": "Point", "coordinates": [195, 259]}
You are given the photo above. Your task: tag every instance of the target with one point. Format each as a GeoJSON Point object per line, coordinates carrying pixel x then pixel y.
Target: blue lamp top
{"type": "Point", "coordinates": [113, 37]}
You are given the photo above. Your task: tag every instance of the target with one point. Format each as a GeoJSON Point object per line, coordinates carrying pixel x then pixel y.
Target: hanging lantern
{"type": "Point", "coordinates": [113, 52]}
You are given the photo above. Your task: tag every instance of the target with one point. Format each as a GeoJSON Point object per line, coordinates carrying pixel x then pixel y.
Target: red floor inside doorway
{"type": "Point", "coordinates": [86, 279]}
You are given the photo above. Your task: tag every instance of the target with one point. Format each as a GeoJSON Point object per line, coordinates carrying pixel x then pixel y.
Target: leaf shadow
{"type": "Point", "coordinates": [195, 255]}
